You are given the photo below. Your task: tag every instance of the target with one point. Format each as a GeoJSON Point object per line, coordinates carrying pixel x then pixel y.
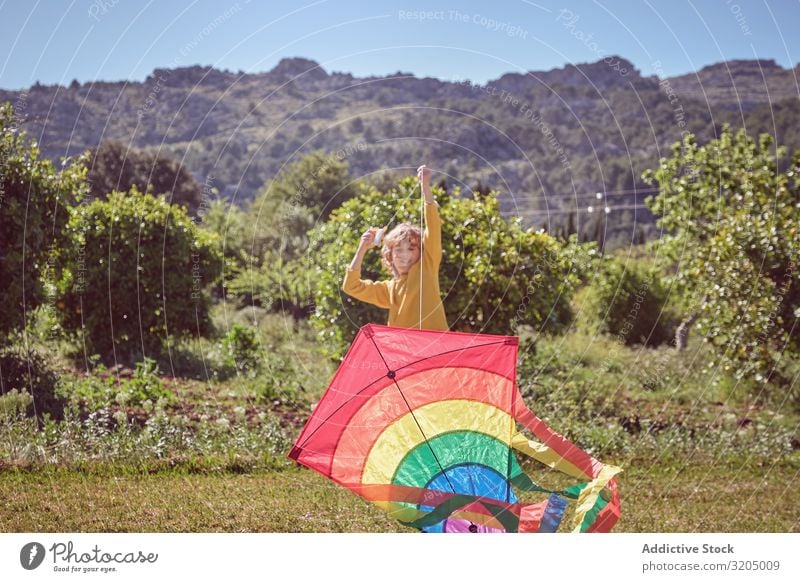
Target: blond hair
{"type": "Point", "coordinates": [401, 232]}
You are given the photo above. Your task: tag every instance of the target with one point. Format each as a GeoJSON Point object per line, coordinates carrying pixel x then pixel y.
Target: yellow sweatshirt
{"type": "Point", "coordinates": [401, 294]}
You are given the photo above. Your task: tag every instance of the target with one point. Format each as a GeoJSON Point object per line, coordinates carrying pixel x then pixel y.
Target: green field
{"type": "Point", "coordinates": [698, 497]}
{"type": "Point", "coordinates": [699, 454]}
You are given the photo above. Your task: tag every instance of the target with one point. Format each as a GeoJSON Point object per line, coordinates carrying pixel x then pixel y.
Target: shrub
{"type": "Point", "coordinates": [731, 209]}
{"type": "Point", "coordinates": [135, 273]}
{"type": "Point", "coordinates": [116, 166]}
{"type": "Point", "coordinates": [101, 388]}
{"type": "Point", "coordinates": [14, 404]}
{"type": "Point", "coordinates": [278, 381]}
{"type": "Point", "coordinates": [27, 371]}
{"type": "Point", "coordinates": [629, 302]}
{"type": "Point", "coordinates": [242, 349]}
{"type": "Point", "coordinates": [33, 197]}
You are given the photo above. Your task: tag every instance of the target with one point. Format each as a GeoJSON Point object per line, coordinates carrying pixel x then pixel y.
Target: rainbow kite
{"type": "Point", "coordinates": [424, 425]}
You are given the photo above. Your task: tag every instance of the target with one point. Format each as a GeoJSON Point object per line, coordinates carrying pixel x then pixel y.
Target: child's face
{"type": "Point", "coordinates": [404, 254]}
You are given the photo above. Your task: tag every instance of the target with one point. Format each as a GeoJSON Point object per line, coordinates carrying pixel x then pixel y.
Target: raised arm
{"type": "Point", "coordinates": [432, 235]}
{"type": "Point", "coordinates": [374, 292]}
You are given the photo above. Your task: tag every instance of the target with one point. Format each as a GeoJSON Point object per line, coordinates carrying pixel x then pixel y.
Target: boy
{"type": "Point", "coordinates": [403, 257]}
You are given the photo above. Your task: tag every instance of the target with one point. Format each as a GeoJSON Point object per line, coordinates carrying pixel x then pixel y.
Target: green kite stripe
{"type": "Point", "coordinates": [419, 466]}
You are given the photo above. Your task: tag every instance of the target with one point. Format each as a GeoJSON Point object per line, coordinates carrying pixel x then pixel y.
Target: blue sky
{"type": "Point", "coordinates": [54, 41]}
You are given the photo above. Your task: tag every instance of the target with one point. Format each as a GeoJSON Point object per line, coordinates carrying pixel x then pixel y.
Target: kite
{"type": "Point", "coordinates": [423, 424]}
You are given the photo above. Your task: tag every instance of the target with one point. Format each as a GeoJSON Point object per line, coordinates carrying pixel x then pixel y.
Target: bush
{"type": "Point", "coordinates": [242, 349]}
{"type": "Point", "coordinates": [629, 302]}
{"type": "Point", "coordinates": [116, 166]}
{"type": "Point", "coordinates": [135, 273]}
{"type": "Point", "coordinates": [22, 371]}
{"type": "Point", "coordinates": [14, 404]}
{"type": "Point", "coordinates": [287, 207]}
{"type": "Point", "coordinates": [33, 197]}
{"type": "Point", "coordinates": [101, 388]}
{"type": "Point", "coordinates": [731, 209]}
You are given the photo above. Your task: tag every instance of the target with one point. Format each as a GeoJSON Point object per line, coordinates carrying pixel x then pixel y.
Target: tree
{"type": "Point", "coordinates": [34, 201]}
{"type": "Point", "coordinates": [494, 275]}
{"type": "Point", "coordinates": [733, 216]}
{"type": "Point", "coordinates": [116, 167]}
{"type": "Point", "coordinates": [288, 206]}
{"type": "Point", "coordinates": [135, 273]}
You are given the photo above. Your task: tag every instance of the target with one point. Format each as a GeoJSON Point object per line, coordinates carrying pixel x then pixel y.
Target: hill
{"type": "Point", "coordinates": [548, 140]}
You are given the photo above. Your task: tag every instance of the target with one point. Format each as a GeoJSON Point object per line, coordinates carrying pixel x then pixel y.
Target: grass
{"type": "Point", "coordinates": [699, 452]}
{"type": "Point", "coordinates": [692, 496]}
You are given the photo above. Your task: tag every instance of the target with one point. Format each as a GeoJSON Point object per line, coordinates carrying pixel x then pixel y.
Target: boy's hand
{"type": "Point", "coordinates": [424, 175]}
{"type": "Point", "coordinates": [368, 238]}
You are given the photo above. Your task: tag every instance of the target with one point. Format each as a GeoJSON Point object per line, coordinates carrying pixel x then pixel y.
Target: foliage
{"type": "Point", "coordinates": [27, 371]}
{"type": "Point", "coordinates": [101, 388]}
{"type": "Point", "coordinates": [228, 222]}
{"type": "Point", "coordinates": [734, 217]}
{"type": "Point", "coordinates": [14, 404]}
{"type": "Point", "coordinates": [164, 442]}
{"type": "Point", "coordinates": [118, 167]}
{"type": "Point", "coordinates": [494, 275]}
{"type": "Point", "coordinates": [630, 302]}
{"type": "Point", "coordinates": [242, 349]}
{"type": "Point", "coordinates": [276, 284]}
{"type": "Point", "coordinates": [135, 273]}
{"type": "Point", "coordinates": [610, 398]}
{"type": "Point", "coordinates": [33, 198]}
{"type": "Point", "coordinates": [288, 206]}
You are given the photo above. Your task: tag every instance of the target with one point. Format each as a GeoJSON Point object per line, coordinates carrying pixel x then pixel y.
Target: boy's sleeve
{"type": "Point", "coordinates": [432, 236]}
{"type": "Point", "coordinates": [375, 292]}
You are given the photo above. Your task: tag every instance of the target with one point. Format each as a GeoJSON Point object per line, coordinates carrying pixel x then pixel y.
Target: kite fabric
{"type": "Point", "coordinates": [423, 424]}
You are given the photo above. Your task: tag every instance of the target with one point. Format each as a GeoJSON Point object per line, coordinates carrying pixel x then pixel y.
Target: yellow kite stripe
{"type": "Point", "coordinates": [436, 418]}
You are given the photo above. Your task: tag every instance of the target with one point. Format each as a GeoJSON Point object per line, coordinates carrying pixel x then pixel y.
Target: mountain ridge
{"type": "Point", "coordinates": [543, 138]}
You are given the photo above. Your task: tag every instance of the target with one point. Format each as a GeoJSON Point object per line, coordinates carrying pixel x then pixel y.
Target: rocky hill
{"type": "Point", "coordinates": [548, 140]}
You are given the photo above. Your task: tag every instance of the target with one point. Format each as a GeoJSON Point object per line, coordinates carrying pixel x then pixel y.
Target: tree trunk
{"type": "Point", "coordinates": [682, 333]}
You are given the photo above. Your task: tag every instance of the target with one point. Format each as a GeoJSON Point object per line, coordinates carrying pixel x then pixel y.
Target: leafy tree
{"type": "Point", "coordinates": [734, 221]}
{"type": "Point", "coordinates": [115, 166]}
{"type": "Point", "coordinates": [494, 275]}
{"type": "Point", "coordinates": [135, 274]}
{"type": "Point", "coordinates": [304, 192]}
{"type": "Point", "coordinates": [228, 222]}
{"type": "Point", "coordinates": [275, 284]}
{"type": "Point", "coordinates": [34, 201]}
